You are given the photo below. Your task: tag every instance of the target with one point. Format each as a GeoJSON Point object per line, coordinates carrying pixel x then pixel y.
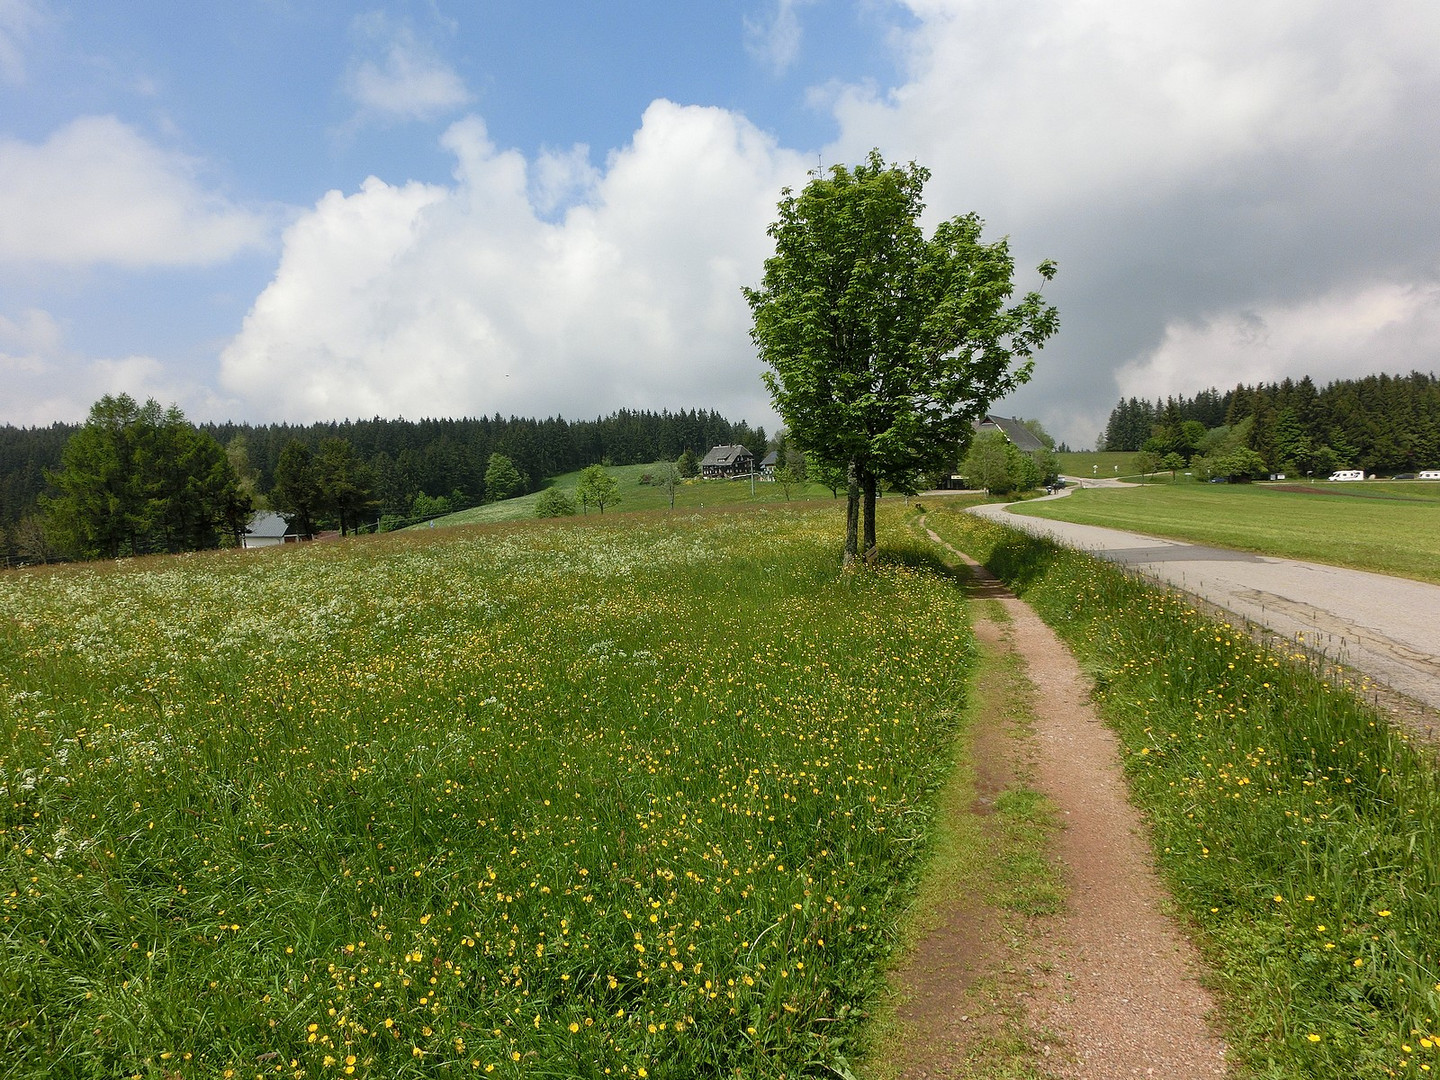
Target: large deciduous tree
{"type": "Point", "coordinates": [137, 479]}
{"type": "Point", "coordinates": [884, 345]}
{"type": "Point", "coordinates": [596, 487]}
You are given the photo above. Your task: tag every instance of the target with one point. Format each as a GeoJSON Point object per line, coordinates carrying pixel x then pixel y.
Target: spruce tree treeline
{"type": "Point", "coordinates": [408, 458]}
{"type": "Point", "coordinates": [440, 457]}
{"type": "Point", "coordinates": [1379, 423]}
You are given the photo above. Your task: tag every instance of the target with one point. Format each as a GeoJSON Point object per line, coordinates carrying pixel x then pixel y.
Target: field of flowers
{"type": "Point", "coordinates": [1298, 830]}
{"type": "Point", "coordinates": [586, 799]}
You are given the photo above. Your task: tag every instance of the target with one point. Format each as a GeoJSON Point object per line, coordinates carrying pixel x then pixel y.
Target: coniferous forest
{"type": "Point", "coordinates": [1384, 424]}
{"type": "Point", "coordinates": [404, 460]}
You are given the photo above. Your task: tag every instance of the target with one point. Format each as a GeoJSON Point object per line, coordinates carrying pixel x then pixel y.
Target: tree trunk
{"type": "Point", "coordinates": [871, 549]}
{"type": "Point", "coordinates": [852, 515]}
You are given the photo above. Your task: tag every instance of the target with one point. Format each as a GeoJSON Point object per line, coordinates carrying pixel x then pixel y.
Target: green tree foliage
{"type": "Point", "coordinates": [1038, 430]}
{"type": "Point", "coordinates": [554, 503]}
{"type": "Point", "coordinates": [596, 488]}
{"type": "Point", "coordinates": [884, 345]}
{"type": "Point", "coordinates": [786, 478]}
{"type": "Point", "coordinates": [139, 479]}
{"type": "Point", "coordinates": [826, 475]}
{"type": "Point", "coordinates": [1172, 461]}
{"type": "Point", "coordinates": [997, 465]}
{"type": "Point", "coordinates": [296, 492]}
{"type": "Point", "coordinates": [1129, 426]}
{"type": "Point", "coordinates": [1380, 423]}
{"type": "Point", "coordinates": [437, 457]}
{"type": "Point", "coordinates": [667, 478]}
{"type": "Point", "coordinates": [33, 542]}
{"type": "Point", "coordinates": [346, 484]}
{"type": "Point", "coordinates": [428, 506]}
{"type": "Point", "coordinates": [502, 478]}
{"type": "Point", "coordinates": [238, 451]}
{"type": "Point", "coordinates": [1238, 466]}
{"type": "Point", "coordinates": [1047, 465]}
{"type": "Point", "coordinates": [332, 487]}
{"type": "Point", "coordinates": [1147, 462]}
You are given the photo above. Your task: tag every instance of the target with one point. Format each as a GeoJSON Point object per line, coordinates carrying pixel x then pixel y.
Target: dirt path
{"type": "Point", "coordinates": [1113, 979]}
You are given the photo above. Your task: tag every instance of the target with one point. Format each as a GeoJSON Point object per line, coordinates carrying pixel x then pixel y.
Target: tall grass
{"type": "Point", "coordinates": [1297, 829]}
{"type": "Point", "coordinates": [570, 800]}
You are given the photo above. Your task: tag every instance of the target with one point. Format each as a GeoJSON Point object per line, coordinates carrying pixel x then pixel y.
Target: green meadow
{"type": "Point", "coordinates": [624, 797]}
{"type": "Point", "coordinates": [1096, 464]}
{"type": "Point", "coordinates": [640, 795]}
{"type": "Point", "coordinates": [693, 494]}
{"type": "Point", "coordinates": [1387, 527]}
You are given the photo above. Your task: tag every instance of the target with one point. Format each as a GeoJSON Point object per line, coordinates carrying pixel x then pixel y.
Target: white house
{"type": "Point", "coordinates": [267, 529]}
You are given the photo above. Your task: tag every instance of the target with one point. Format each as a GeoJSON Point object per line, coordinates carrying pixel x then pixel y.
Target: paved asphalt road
{"type": "Point", "coordinates": [1387, 628]}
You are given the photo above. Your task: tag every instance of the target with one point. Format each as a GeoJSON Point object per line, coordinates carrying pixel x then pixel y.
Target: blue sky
{"type": "Point", "coordinates": [294, 210]}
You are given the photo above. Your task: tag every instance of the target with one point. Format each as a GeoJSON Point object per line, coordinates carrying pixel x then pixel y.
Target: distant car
{"type": "Point", "coordinates": [1219, 480]}
{"type": "Point", "coordinates": [1403, 476]}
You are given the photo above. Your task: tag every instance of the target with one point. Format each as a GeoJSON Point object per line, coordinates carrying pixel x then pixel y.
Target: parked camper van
{"type": "Point", "coordinates": [1429, 474]}
{"type": "Point", "coordinates": [1348, 474]}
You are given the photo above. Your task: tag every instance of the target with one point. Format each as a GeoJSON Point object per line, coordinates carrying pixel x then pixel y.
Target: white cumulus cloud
{"type": "Point", "coordinates": [1060, 101]}
{"type": "Point", "coordinates": [1378, 327]}
{"type": "Point", "coordinates": [402, 77]}
{"type": "Point", "coordinates": [1185, 163]}
{"type": "Point", "coordinates": [97, 191]}
{"type": "Point", "coordinates": [467, 298]}
{"type": "Point", "coordinates": [46, 381]}
{"type": "Point", "coordinates": [1177, 159]}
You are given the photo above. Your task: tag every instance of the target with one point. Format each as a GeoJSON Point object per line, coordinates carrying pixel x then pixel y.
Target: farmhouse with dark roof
{"type": "Point", "coordinates": [727, 461]}
{"type": "Point", "coordinates": [1018, 434]}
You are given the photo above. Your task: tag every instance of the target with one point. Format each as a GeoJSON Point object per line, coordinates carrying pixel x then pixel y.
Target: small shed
{"type": "Point", "coordinates": [770, 464]}
{"type": "Point", "coordinates": [727, 461]}
{"type": "Point", "coordinates": [267, 529]}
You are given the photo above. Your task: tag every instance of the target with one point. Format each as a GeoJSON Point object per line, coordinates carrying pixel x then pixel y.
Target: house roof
{"type": "Point", "coordinates": [725, 455]}
{"type": "Point", "coordinates": [771, 459]}
{"type": "Point", "coordinates": [267, 524]}
{"type": "Point", "coordinates": [1021, 436]}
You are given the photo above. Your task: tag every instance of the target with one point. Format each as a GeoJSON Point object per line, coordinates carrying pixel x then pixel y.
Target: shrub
{"type": "Point", "coordinates": [554, 503]}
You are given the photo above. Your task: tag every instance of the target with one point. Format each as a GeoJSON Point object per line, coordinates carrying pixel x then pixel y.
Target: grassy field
{"type": "Point", "coordinates": [1089, 464]}
{"type": "Point", "coordinates": [1390, 528]}
{"type": "Point", "coordinates": [691, 495]}
{"type": "Point", "coordinates": [1297, 830]}
{"type": "Point", "coordinates": [640, 796]}
{"type": "Point", "coordinates": [637, 797]}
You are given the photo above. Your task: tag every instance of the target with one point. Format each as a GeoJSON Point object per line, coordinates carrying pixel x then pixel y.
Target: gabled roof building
{"type": "Point", "coordinates": [1018, 434]}
{"type": "Point", "coordinates": [267, 529]}
{"type": "Point", "coordinates": [724, 461]}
